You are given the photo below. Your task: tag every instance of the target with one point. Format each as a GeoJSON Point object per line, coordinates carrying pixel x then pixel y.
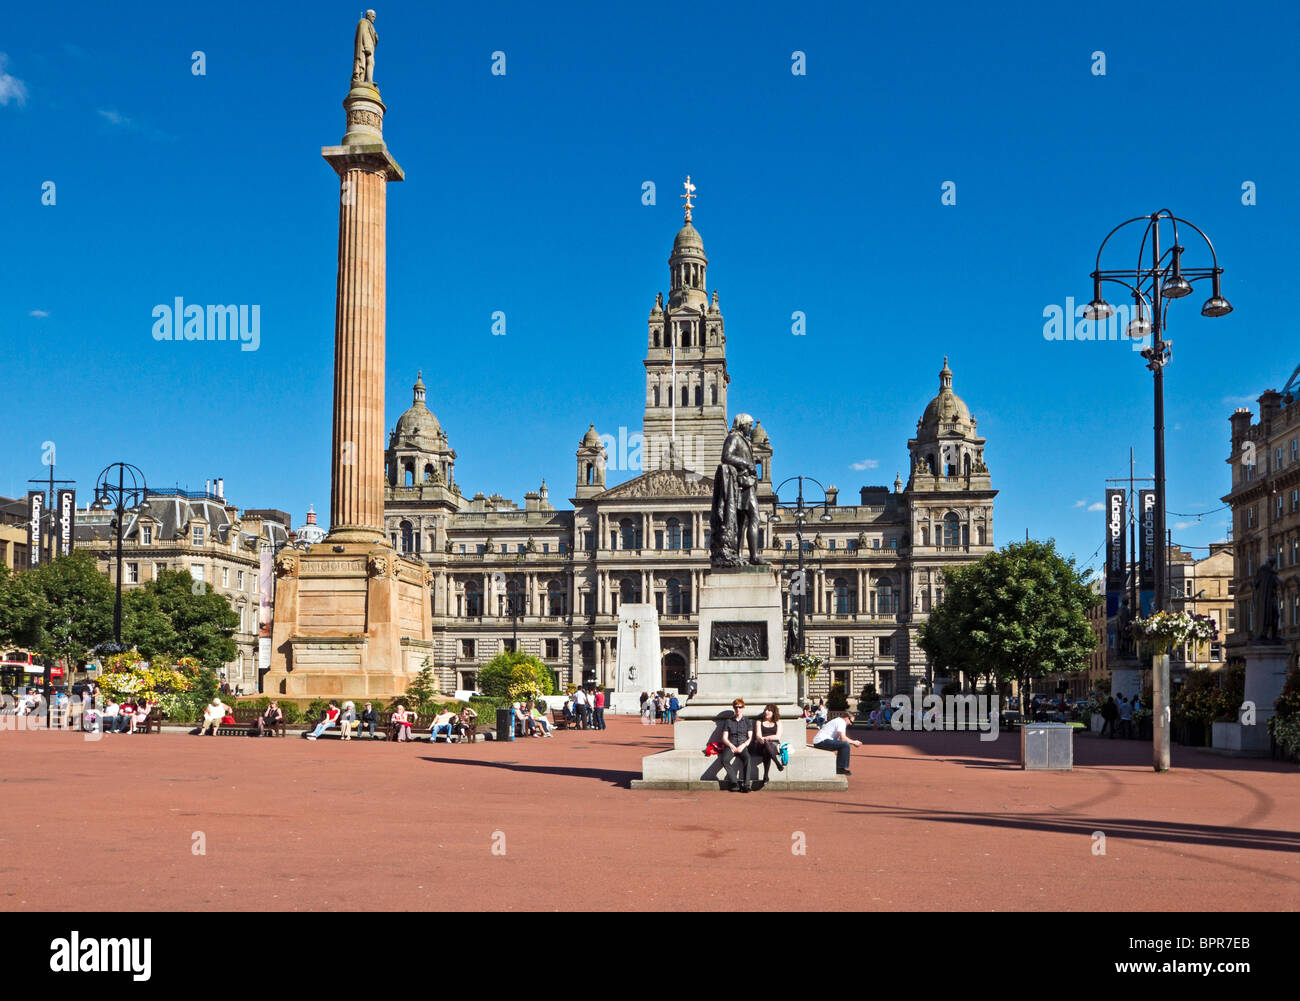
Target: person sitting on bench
{"type": "Point", "coordinates": [330, 717]}
{"type": "Point", "coordinates": [442, 724]}
{"type": "Point", "coordinates": [213, 713]}
{"type": "Point", "coordinates": [369, 720]}
{"type": "Point", "coordinates": [270, 719]}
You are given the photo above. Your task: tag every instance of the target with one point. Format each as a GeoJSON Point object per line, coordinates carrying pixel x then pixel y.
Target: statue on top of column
{"type": "Point", "coordinates": [1266, 602]}
{"type": "Point", "coordinates": [363, 59]}
{"type": "Point", "coordinates": [733, 522]}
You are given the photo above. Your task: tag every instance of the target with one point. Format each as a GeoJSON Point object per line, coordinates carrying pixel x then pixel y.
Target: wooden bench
{"type": "Point", "coordinates": [417, 722]}
{"type": "Point", "coordinates": [151, 723]}
{"type": "Point", "coordinates": [245, 723]}
{"type": "Point", "coordinates": [561, 722]}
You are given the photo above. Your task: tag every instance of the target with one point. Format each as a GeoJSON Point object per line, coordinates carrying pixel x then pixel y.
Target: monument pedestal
{"type": "Point", "coordinates": [1265, 676]}
{"type": "Point", "coordinates": [1125, 677]}
{"type": "Point", "coordinates": [351, 624]}
{"type": "Point", "coordinates": [639, 658]}
{"type": "Point", "coordinates": [740, 656]}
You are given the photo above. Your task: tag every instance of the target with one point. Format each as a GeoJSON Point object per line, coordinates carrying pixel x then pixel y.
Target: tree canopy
{"type": "Point", "coordinates": [1019, 613]}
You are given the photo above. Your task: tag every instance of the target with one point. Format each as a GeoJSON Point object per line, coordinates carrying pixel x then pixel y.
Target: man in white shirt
{"type": "Point", "coordinates": [580, 708]}
{"type": "Point", "coordinates": [834, 736]}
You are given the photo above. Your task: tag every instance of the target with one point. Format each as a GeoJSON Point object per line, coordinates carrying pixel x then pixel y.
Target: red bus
{"type": "Point", "coordinates": [22, 669]}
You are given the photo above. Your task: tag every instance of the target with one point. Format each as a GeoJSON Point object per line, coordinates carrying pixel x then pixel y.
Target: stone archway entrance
{"type": "Point", "coordinates": [675, 671]}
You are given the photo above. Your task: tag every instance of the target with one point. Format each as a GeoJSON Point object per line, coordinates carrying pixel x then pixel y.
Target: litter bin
{"type": "Point", "coordinates": [1047, 747]}
{"type": "Point", "coordinates": [505, 724]}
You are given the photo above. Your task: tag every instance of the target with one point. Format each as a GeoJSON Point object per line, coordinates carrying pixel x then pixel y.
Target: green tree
{"type": "Point", "coordinates": [145, 626]}
{"type": "Point", "coordinates": [1019, 613]}
{"type": "Point", "coordinates": [422, 691]}
{"type": "Point", "coordinates": [72, 607]}
{"type": "Point", "coordinates": [22, 607]}
{"type": "Point", "coordinates": [509, 674]}
{"type": "Point", "coordinates": [203, 621]}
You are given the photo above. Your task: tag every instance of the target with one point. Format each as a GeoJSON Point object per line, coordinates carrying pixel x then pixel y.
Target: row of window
{"type": "Point", "coordinates": [884, 646]}
{"type": "Point", "coordinates": [131, 575]}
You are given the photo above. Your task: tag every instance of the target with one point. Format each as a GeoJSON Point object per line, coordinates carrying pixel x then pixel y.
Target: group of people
{"type": "Point", "coordinates": [531, 721]}
{"type": "Point", "coordinates": [762, 739]}
{"type": "Point", "coordinates": [661, 707]}
{"type": "Point", "coordinates": [585, 710]}
{"type": "Point", "coordinates": [117, 717]}
{"type": "Point", "coordinates": [1117, 709]}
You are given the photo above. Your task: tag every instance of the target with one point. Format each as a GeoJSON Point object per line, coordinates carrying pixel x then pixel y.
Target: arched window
{"type": "Point", "coordinates": [629, 590]}
{"type": "Point", "coordinates": [759, 467]}
{"type": "Point", "coordinates": [656, 338]}
{"type": "Point", "coordinates": [408, 537]}
{"type": "Point", "coordinates": [428, 472]}
{"type": "Point", "coordinates": [886, 599]}
{"type": "Point", "coordinates": [473, 599]}
{"type": "Point", "coordinates": [591, 475]}
{"type": "Point", "coordinates": [965, 464]}
{"type": "Point", "coordinates": [925, 535]}
{"type": "Point", "coordinates": [685, 397]}
{"type": "Point", "coordinates": [699, 396]}
{"type": "Point", "coordinates": [951, 530]}
{"type": "Point", "coordinates": [845, 597]}
{"type": "Point", "coordinates": [934, 463]}
{"type": "Point", "coordinates": [629, 534]}
{"type": "Point", "coordinates": [656, 396]}
{"type": "Point", "coordinates": [674, 528]}
{"type": "Point", "coordinates": [557, 598]}
{"type": "Point", "coordinates": [713, 394]}
{"type": "Point", "coordinates": [410, 474]}
{"type": "Point", "coordinates": [674, 596]}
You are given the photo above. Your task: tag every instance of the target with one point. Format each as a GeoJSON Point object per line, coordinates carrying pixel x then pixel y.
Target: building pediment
{"type": "Point", "coordinates": [661, 483]}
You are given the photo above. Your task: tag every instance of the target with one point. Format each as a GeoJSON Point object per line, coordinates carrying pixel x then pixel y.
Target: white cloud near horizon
{"type": "Point", "coordinates": [1098, 506]}
{"type": "Point", "coordinates": [40, 314]}
{"type": "Point", "coordinates": [865, 464]}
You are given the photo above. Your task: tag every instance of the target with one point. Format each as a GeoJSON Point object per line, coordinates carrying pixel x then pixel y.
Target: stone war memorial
{"type": "Point", "coordinates": [741, 646]}
{"type": "Point", "coordinates": [639, 656]}
{"type": "Point", "coordinates": [352, 616]}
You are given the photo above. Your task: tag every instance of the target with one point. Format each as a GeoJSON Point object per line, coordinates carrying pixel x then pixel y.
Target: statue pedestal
{"type": "Point", "coordinates": [741, 654]}
{"type": "Point", "coordinates": [1265, 676]}
{"type": "Point", "coordinates": [354, 624]}
{"type": "Point", "coordinates": [1125, 677]}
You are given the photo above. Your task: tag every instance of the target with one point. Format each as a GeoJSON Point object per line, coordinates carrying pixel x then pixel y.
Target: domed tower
{"type": "Point", "coordinates": [420, 492]}
{"type": "Point", "coordinates": [949, 492]}
{"type": "Point", "coordinates": [418, 453]}
{"type": "Point", "coordinates": [686, 363]}
{"type": "Point", "coordinates": [591, 464]}
{"type": "Point", "coordinates": [762, 449]}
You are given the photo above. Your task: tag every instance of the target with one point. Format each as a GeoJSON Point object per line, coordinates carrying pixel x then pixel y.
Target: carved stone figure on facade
{"type": "Point", "coordinates": [1266, 602]}
{"type": "Point", "coordinates": [377, 566]}
{"type": "Point", "coordinates": [791, 635]}
{"type": "Point", "coordinates": [818, 542]}
{"type": "Point", "coordinates": [363, 49]}
{"type": "Point", "coordinates": [733, 521]}
{"type": "Point", "coordinates": [286, 565]}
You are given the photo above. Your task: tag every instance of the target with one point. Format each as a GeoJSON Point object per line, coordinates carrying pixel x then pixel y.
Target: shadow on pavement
{"type": "Point", "coordinates": [614, 776]}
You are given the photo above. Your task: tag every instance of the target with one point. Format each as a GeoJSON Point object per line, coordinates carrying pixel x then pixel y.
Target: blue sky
{"type": "Point", "coordinates": [819, 193]}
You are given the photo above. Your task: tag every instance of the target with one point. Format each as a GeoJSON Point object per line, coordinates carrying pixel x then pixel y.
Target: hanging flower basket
{"type": "Point", "coordinates": [1164, 631]}
{"type": "Point", "coordinates": [807, 664]}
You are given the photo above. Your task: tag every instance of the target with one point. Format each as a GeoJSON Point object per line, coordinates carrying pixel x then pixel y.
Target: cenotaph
{"type": "Point", "coordinates": [639, 665]}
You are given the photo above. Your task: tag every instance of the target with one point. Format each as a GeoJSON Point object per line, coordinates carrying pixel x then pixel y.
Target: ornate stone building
{"type": "Point", "coordinates": [199, 532]}
{"type": "Point", "coordinates": [1265, 502]}
{"type": "Point", "coordinates": [550, 581]}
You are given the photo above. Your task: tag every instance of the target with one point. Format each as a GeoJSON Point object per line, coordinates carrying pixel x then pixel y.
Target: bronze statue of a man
{"type": "Point", "coordinates": [363, 58]}
{"type": "Point", "coordinates": [735, 499]}
{"type": "Point", "coordinates": [1266, 603]}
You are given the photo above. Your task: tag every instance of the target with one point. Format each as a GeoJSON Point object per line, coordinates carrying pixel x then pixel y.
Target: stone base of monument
{"type": "Point", "coordinates": [352, 621]}
{"type": "Point", "coordinates": [1265, 676]}
{"type": "Point", "coordinates": [740, 657]}
{"type": "Point", "coordinates": [625, 703]}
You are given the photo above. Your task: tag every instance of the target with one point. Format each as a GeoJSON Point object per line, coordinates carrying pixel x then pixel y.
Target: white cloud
{"type": "Point", "coordinates": [865, 464]}
{"type": "Point", "coordinates": [1183, 526]}
{"type": "Point", "coordinates": [1241, 401]}
{"type": "Point", "coordinates": [1099, 506]}
{"type": "Point", "coordinates": [11, 88]}
{"type": "Point", "coordinates": [1080, 503]}
{"type": "Point", "coordinates": [40, 314]}
{"type": "Point", "coordinates": [114, 117]}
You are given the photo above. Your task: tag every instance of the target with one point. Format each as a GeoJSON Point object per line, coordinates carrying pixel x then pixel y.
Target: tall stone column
{"type": "Point", "coordinates": [365, 168]}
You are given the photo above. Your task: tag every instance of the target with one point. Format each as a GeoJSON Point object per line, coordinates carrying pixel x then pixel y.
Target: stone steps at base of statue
{"type": "Point", "coordinates": [809, 770]}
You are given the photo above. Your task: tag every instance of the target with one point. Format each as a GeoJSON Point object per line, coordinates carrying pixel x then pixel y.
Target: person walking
{"type": "Point", "coordinates": [767, 741]}
{"type": "Point", "coordinates": [1126, 717]}
{"type": "Point", "coordinates": [737, 736]}
{"type": "Point", "coordinates": [582, 721]}
{"type": "Point", "coordinates": [834, 736]}
{"type": "Point", "coordinates": [673, 707]}
{"type": "Point", "coordinates": [1109, 714]}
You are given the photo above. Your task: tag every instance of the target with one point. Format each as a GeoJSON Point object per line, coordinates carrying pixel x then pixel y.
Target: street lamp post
{"type": "Point", "coordinates": [1152, 287]}
{"type": "Point", "coordinates": [128, 493]}
{"type": "Point", "coordinates": [800, 513]}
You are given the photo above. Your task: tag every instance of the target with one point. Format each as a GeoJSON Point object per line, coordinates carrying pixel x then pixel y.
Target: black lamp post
{"type": "Point", "coordinates": [127, 493]}
{"type": "Point", "coordinates": [800, 513]}
{"type": "Point", "coordinates": [1152, 287]}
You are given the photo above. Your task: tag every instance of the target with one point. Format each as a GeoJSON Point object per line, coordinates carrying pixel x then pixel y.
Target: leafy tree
{"type": "Point", "coordinates": [71, 606]}
{"type": "Point", "coordinates": [421, 693]}
{"type": "Point", "coordinates": [512, 676]}
{"type": "Point", "coordinates": [22, 607]}
{"type": "Point", "coordinates": [146, 626]}
{"type": "Point", "coordinates": [203, 621]}
{"type": "Point", "coordinates": [1019, 613]}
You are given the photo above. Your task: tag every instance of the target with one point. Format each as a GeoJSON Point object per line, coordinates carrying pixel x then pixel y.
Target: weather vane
{"type": "Point", "coordinates": [690, 193]}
